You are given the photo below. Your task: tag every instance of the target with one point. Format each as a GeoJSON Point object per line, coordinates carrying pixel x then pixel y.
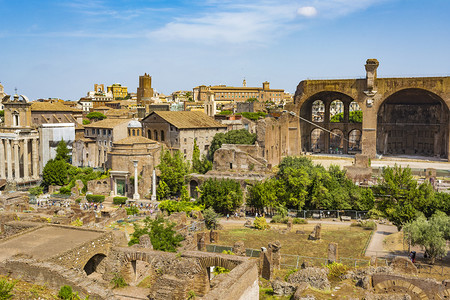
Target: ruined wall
{"type": "Point", "coordinates": [78, 257]}
{"type": "Point", "coordinates": [239, 158]}
{"type": "Point", "coordinates": [55, 276]}
{"type": "Point", "coordinates": [99, 187]}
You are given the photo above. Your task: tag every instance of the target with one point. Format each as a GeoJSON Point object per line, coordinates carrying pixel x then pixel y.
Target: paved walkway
{"type": "Point", "coordinates": [375, 247]}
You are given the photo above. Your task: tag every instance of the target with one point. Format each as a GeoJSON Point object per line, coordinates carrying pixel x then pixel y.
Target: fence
{"type": "Point", "coordinates": [433, 269]}
{"type": "Point", "coordinates": [220, 249]}
{"type": "Point", "coordinates": [315, 214]}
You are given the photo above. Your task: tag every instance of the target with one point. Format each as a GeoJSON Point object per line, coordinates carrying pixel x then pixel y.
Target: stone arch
{"type": "Point", "coordinates": [341, 105]}
{"type": "Point", "coordinates": [354, 140]}
{"type": "Point", "coordinates": [401, 286]}
{"type": "Point", "coordinates": [415, 122]}
{"type": "Point", "coordinates": [193, 184]}
{"type": "Point", "coordinates": [95, 264]}
{"type": "Point", "coordinates": [355, 112]}
{"type": "Point", "coordinates": [317, 140]}
{"type": "Point", "coordinates": [336, 141]}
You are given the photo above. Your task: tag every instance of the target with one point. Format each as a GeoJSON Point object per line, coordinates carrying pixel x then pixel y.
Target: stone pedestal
{"type": "Point", "coordinates": [316, 233]}
{"type": "Point", "coordinates": [239, 248]}
{"type": "Point", "coordinates": [332, 252]}
{"type": "Point", "coordinates": [274, 249]}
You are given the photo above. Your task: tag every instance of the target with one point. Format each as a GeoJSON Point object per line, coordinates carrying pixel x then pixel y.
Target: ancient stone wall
{"type": "Point", "coordinates": [99, 187]}
{"type": "Point", "coordinates": [54, 276]}
{"type": "Point", "coordinates": [239, 158]}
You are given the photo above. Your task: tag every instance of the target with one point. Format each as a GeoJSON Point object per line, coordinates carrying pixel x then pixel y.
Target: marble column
{"type": "Point", "coordinates": [26, 174]}
{"type": "Point", "coordinates": [9, 159]}
{"type": "Point", "coordinates": [2, 160]}
{"type": "Point", "coordinates": [154, 185]}
{"type": "Point", "coordinates": [16, 160]}
{"type": "Point", "coordinates": [35, 158]}
{"type": "Point", "coordinates": [136, 193]}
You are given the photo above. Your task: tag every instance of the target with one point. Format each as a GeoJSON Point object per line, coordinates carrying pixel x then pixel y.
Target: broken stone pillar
{"type": "Point", "coordinates": [266, 264]}
{"type": "Point", "coordinates": [373, 261]}
{"type": "Point", "coordinates": [239, 248]}
{"type": "Point", "coordinates": [316, 233]}
{"type": "Point", "coordinates": [201, 241]}
{"type": "Point", "coordinates": [274, 248]}
{"type": "Point", "coordinates": [213, 236]}
{"type": "Point", "coordinates": [332, 252]}
{"type": "Point", "coordinates": [289, 225]}
{"type": "Point", "coordinates": [145, 242]}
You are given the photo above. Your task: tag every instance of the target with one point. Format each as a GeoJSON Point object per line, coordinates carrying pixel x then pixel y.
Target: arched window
{"type": "Point", "coordinates": [318, 111]}
{"type": "Point", "coordinates": [156, 135]}
{"type": "Point", "coordinates": [317, 140]}
{"type": "Point", "coordinates": [336, 141]}
{"type": "Point", "coordinates": [354, 140]}
{"type": "Point", "coordinates": [162, 135]}
{"type": "Point", "coordinates": [134, 132]}
{"type": "Point", "coordinates": [355, 113]}
{"type": "Point", "coordinates": [336, 111]}
{"type": "Point", "coordinates": [149, 133]}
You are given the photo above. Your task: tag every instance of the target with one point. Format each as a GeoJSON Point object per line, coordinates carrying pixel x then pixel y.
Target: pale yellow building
{"type": "Point", "coordinates": [118, 91]}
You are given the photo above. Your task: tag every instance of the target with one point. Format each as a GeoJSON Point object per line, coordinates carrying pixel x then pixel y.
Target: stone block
{"type": "Point", "coordinates": [239, 248]}
{"type": "Point", "coordinates": [332, 252]}
{"type": "Point", "coordinates": [403, 265]}
{"type": "Point", "coordinates": [316, 233]}
{"type": "Point", "coordinates": [214, 236]}
{"type": "Point", "coordinates": [201, 241]}
{"type": "Point", "coordinates": [274, 249]}
{"type": "Point", "coordinates": [145, 242]}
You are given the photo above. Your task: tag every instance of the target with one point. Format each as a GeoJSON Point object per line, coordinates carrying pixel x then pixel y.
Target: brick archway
{"type": "Point", "coordinates": [401, 286]}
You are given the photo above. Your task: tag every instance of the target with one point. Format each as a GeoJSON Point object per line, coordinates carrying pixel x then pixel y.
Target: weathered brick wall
{"type": "Point", "coordinates": [78, 257]}
{"type": "Point", "coordinates": [55, 276]}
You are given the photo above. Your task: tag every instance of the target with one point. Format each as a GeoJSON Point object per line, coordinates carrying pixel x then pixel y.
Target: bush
{"type": "Point", "coordinates": [369, 225]}
{"type": "Point", "coordinates": [95, 198]}
{"type": "Point", "coordinates": [336, 271]}
{"type": "Point", "coordinates": [279, 219]}
{"type": "Point", "coordinates": [118, 281]}
{"type": "Point", "coordinates": [261, 223]}
{"type": "Point", "coordinates": [65, 191]}
{"type": "Point", "coordinates": [172, 206]}
{"type": "Point", "coordinates": [36, 191]}
{"type": "Point", "coordinates": [133, 210]}
{"type": "Point", "coordinates": [220, 270]}
{"type": "Point", "coordinates": [120, 200]}
{"type": "Point", "coordinates": [65, 292]}
{"type": "Point", "coordinates": [211, 218]}
{"type": "Point", "coordinates": [6, 289]}
{"type": "Point", "coordinates": [299, 221]}
{"type": "Point", "coordinates": [77, 223]}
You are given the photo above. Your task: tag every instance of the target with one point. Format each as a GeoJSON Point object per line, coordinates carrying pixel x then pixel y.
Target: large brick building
{"type": "Point", "coordinates": [178, 130]}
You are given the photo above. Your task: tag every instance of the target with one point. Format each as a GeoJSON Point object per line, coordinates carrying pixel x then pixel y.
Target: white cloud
{"type": "Point", "coordinates": [240, 21]}
{"type": "Point", "coordinates": [307, 11]}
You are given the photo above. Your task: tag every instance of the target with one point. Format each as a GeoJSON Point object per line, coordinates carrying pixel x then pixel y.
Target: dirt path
{"type": "Point", "coordinates": [375, 247]}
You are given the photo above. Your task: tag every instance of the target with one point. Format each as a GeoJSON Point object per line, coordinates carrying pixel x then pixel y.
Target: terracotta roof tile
{"type": "Point", "coordinates": [107, 123]}
{"type": "Point", "coordinates": [188, 119]}
{"type": "Point", "coordinates": [56, 106]}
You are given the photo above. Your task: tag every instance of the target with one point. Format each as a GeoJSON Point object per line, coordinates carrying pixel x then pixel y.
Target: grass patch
{"type": "Point", "coordinates": [351, 240]}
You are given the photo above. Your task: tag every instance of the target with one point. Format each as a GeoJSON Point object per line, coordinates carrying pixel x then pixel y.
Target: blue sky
{"type": "Point", "coordinates": [61, 48]}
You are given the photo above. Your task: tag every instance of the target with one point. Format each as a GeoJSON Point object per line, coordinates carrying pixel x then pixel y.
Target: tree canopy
{"type": "Point", "coordinates": [200, 166]}
{"type": "Point", "coordinates": [354, 117]}
{"type": "Point", "coordinates": [301, 185]}
{"type": "Point", "coordinates": [223, 195]}
{"type": "Point", "coordinates": [62, 152]}
{"type": "Point", "coordinates": [173, 170]}
{"type": "Point", "coordinates": [95, 115]}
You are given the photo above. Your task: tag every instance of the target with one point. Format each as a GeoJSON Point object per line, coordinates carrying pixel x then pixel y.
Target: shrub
{"type": "Point", "coordinates": [172, 206]}
{"type": "Point", "coordinates": [95, 198]}
{"type": "Point", "coordinates": [279, 219]}
{"type": "Point", "coordinates": [220, 270]}
{"type": "Point", "coordinates": [369, 225]}
{"type": "Point", "coordinates": [211, 218]}
{"type": "Point", "coordinates": [261, 223]}
{"type": "Point", "coordinates": [132, 210]}
{"type": "Point", "coordinates": [336, 271]}
{"type": "Point", "coordinates": [36, 191]}
{"type": "Point", "coordinates": [65, 292]}
{"type": "Point", "coordinates": [6, 289]}
{"type": "Point", "coordinates": [78, 200]}
{"type": "Point", "coordinates": [120, 200]}
{"type": "Point", "coordinates": [65, 191]}
{"type": "Point", "coordinates": [229, 252]}
{"type": "Point", "coordinates": [77, 223]}
{"type": "Point", "coordinates": [299, 221]}
{"type": "Point", "coordinates": [191, 295]}
{"type": "Point", "coordinates": [118, 281]}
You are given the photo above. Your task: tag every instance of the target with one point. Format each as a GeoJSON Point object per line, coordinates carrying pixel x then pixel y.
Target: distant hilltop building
{"type": "Point", "coordinates": [96, 98]}
{"type": "Point", "coordinates": [118, 91]}
{"type": "Point", "coordinates": [229, 94]}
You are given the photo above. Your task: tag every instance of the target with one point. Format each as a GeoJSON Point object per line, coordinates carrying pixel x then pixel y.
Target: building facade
{"type": "Point", "coordinates": [118, 91]}
{"type": "Point", "coordinates": [178, 130]}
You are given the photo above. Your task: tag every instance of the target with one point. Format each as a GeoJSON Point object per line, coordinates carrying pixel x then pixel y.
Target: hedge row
{"type": "Point", "coordinates": [120, 200]}
{"type": "Point", "coordinates": [95, 198]}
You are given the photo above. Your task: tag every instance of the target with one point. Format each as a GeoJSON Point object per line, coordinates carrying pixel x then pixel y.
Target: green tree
{"type": "Point", "coordinates": [199, 166]}
{"type": "Point", "coordinates": [401, 198]}
{"type": "Point", "coordinates": [173, 169]}
{"type": "Point", "coordinates": [55, 173]}
{"type": "Point", "coordinates": [224, 195]}
{"type": "Point", "coordinates": [62, 152]}
{"type": "Point", "coordinates": [241, 136]}
{"type": "Point", "coordinates": [211, 218]}
{"type": "Point", "coordinates": [162, 192]}
{"type": "Point", "coordinates": [252, 99]}
{"type": "Point", "coordinates": [161, 233]}
{"type": "Point", "coordinates": [95, 116]}
{"type": "Point", "coordinates": [431, 234]}
{"type": "Point", "coordinates": [263, 194]}
{"type": "Point", "coordinates": [86, 122]}
{"type": "Point", "coordinates": [354, 117]}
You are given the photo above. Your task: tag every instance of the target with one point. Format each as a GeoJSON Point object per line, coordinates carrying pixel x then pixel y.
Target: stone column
{"type": "Point", "coordinates": [136, 193]}
{"type": "Point", "coordinates": [154, 185]}
{"type": "Point", "coordinates": [26, 174]}
{"type": "Point", "coordinates": [9, 159]}
{"type": "Point", "coordinates": [2, 160]}
{"type": "Point", "coordinates": [16, 160]}
{"type": "Point", "coordinates": [35, 158]}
